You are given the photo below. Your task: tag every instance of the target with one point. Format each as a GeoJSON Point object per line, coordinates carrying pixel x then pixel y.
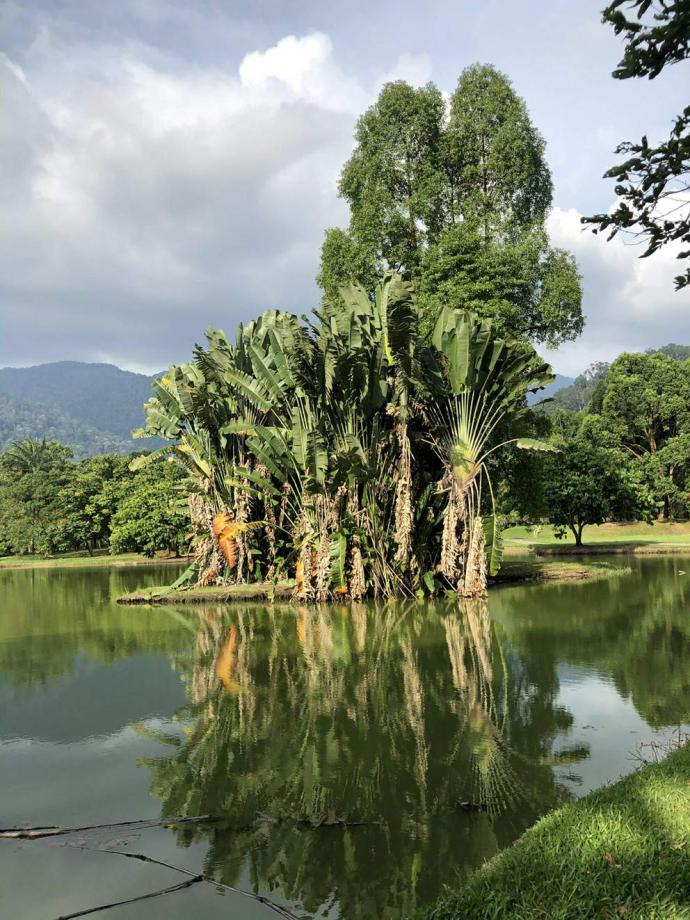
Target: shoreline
{"type": "Point", "coordinates": [618, 852]}
{"type": "Point", "coordinates": [122, 560]}
{"type": "Point", "coordinates": [223, 594]}
{"type": "Point", "coordinates": [514, 573]}
{"type": "Point", "coordinates": [614, 549]}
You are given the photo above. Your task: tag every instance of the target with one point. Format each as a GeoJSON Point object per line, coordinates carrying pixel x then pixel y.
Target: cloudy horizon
{"type": "Point", "coordinates": [169, 167]}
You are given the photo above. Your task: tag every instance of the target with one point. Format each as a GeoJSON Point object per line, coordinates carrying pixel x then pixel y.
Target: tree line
{"type": "Point", "coordinates": [50, 503]}
{"type": "Point", "coordinates": [626, 454]}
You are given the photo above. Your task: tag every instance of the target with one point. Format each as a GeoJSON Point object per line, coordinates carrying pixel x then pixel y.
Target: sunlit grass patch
{"type": "Point", "coordinates": [638, 535]}
{"type": "Point", "coordinates": [621, 852]}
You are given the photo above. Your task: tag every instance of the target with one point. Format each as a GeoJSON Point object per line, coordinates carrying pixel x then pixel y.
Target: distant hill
{"type": "Point", "coordinates": [577, 395]}
{"type": "Point", "coordinates": [679, 352]}
{"type": "Point", "coordinates": [20, 419]}
{"type": "Point", "coordinates": [91, 407]}
{"type": "Point", "coordinates": [558, 384]}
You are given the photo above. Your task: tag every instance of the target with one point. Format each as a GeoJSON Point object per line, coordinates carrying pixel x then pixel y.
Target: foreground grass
{"type": "Point", "coordinates": [83, 560]}
{"type": "Point", "coordinates": [622, 852]}
{"type": "Point", "coordinates": [638, 537]}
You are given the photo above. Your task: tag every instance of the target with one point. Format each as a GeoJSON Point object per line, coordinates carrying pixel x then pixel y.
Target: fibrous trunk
{"type": "Point", "coordinates": [207, 557]}
{"type": "Point", "coordinates": [474, 580]}
{"type": "Point", "coordinates": [304, 582]}
{"type": "Point", "coordinates": [403, 500]}
{"type": "Point", "coordinates": [242, 515]}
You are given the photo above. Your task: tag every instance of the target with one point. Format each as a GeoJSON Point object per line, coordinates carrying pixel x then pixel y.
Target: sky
{"type": "Point", "coordinates": [166, 166]}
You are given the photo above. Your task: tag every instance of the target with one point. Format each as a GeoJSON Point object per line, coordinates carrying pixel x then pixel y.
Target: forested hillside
{"type": "Point", "coordinates": [20, 419]}
{"type": "Point", "coordinates": [92, 408]}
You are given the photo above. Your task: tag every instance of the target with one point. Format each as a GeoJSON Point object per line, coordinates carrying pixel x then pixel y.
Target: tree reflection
{"type": "Point", "coordinates": [51, 616]}
{"type": "Point", "coordinates": [635, 630]}
{"type": "Point", "coordinates": [346, 745]}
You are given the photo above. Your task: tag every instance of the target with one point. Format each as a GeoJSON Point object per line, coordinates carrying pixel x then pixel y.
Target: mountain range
{"type": "Point", "coordinates": [94, 407]}
{"type": "Point", "coordinates": [91, 407]}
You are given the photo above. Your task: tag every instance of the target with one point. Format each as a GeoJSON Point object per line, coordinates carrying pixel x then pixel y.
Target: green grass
{"type": "Point", "coordinates": [637, 537]}
{"type": "Point", "coordinates": [621, 852]}
{"type": "Point", "coordinates": [82, 560]}
{"type": "Point", "coordinates": [525, 569]}
{"type": "Point", "coordinates": [264, 590]}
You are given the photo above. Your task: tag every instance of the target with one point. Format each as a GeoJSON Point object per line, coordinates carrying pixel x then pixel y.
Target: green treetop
{"type": "Point", "coordinates": [456, 197]}
{"type": "Point", "coordinates": [647, 397]}
{"type": "Point", "coordinates": [31, 475]}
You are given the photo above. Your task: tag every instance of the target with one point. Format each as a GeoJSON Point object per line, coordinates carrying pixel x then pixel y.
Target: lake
{"type": "Point", "coordinates": [357, 758]}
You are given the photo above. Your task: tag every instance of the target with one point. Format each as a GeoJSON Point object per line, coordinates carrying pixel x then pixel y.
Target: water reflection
{"type": "Point", "coordinates": [356, 752]}
{"type": "Point", "coordinates": [634, 629]}
{"type": "Point", "coordinates": [360, 756]}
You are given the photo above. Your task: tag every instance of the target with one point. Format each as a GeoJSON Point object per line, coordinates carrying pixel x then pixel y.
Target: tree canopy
{"type": "Point", "coordinates": [456, 198]}
{"type": "Point", "coordinates": [653, 181]}
{"type": "Point", "coordinates": [51, 504]}
{"type": "Point", "coordinates": [589, 484]}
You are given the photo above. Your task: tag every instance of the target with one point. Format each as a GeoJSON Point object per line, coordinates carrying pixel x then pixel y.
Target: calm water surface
{"type": "Point", "coordinates": [359, 757]}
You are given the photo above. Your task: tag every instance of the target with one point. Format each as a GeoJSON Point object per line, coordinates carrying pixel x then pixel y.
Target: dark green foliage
{"type": "Point", "coordinates": [50, 504]}
{"type": "Point", "coordinates": [588, 484]}
{"type": "Point", "coordinates": [456, 200]}
{"type": "Point", "coordinates": [91, 407]}
{"type": "Point", "coordinates": [526, 288]}
{"type": "Point", "coordinates": [662, 38]}
{"type": "Point", "coordinates": [88, 500]}
{"type": "Point", "coordinates": [624, 430]}
{"type": "Point", "coordinates": [647, 399]}
{"type": "Point", "coordinates": [31, 476]}
{"type": "Point", "coordinates": [152, 513]}
{"type": "Point", "coordinates": [651, 180]}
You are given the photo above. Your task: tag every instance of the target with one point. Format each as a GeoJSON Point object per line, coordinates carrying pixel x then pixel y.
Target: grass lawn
{"type": "Point", "coordinates": [528, 569]}
{"type": "Point", "coordinates": [621, 852]}
{"type": "Point", "coordinates": [83, 560]}
{"type": "Point", "coordinates": [637, 536]}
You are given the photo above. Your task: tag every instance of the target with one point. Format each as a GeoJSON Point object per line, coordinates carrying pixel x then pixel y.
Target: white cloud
{"type": "Point", "coordinates": [630, 303]}
{"type": "Point", "coordinates": [413, 68]}
{"type": "Point", "coordinates": [146, 199]}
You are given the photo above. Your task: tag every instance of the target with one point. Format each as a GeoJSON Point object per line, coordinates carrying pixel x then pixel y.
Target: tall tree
{"type": "Point", "coordinates": [152, 514]}
{"type": "Point", "coordinates": [645, 408]}
{"type": "Point", "coordinates": [647, 400]}
{"type": "Point", "coordinates": [86, 503]}
{"type": "Point", "coordinates": [653, 181]}
{"type": "Point", "coordinates": [456, 199]}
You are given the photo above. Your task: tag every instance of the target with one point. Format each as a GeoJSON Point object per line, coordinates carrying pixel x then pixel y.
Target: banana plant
{"type": "Point", "coordinates": [483, 380]}
{"type": "Point", "coordinates": [345, 450]}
